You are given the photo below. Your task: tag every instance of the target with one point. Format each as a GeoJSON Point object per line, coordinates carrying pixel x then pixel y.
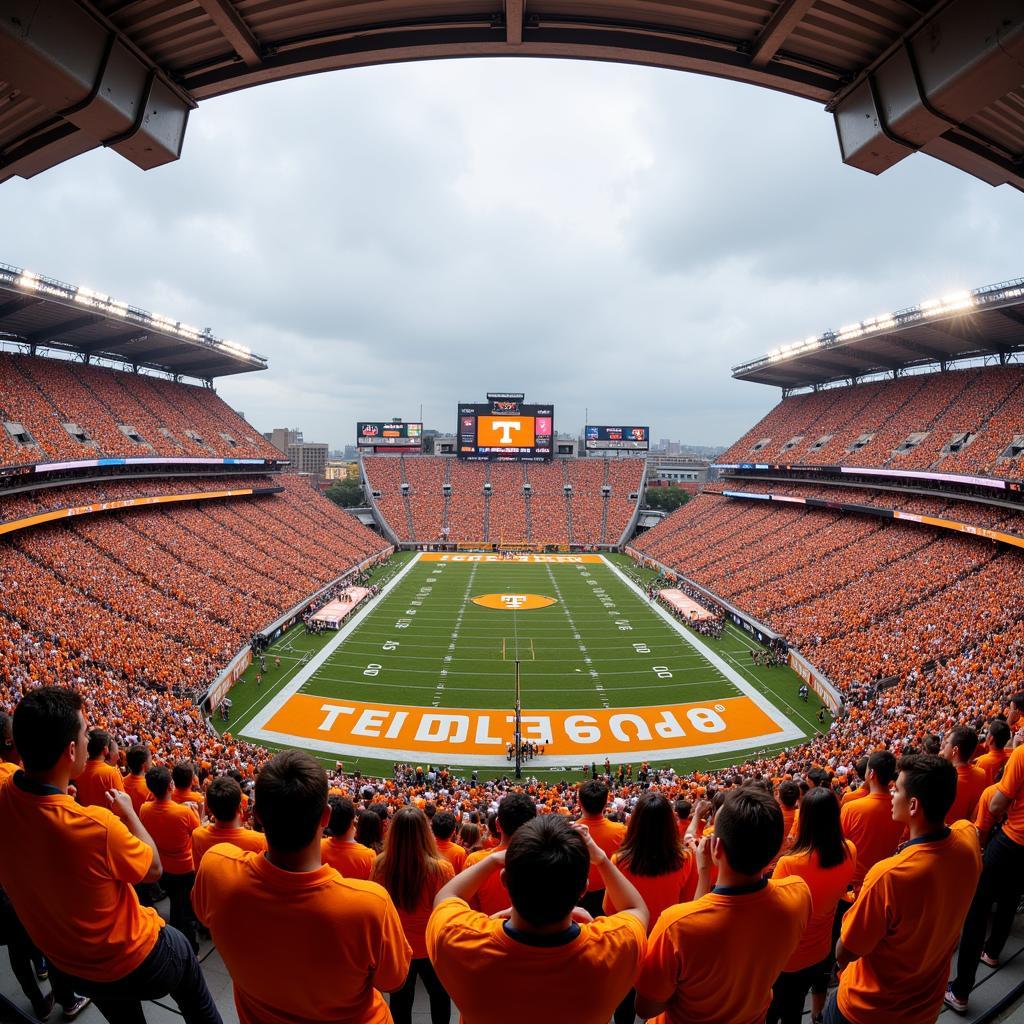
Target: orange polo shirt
{"type": "Point", "coordinates": [985, 820]}
{"type": "Point", "coordinates": [495, 979]}
{"type": "Point", "coordinates": [210, 835]}
{"type": "Point", "coordinates": [904, 927]}
{"type": "Point", "coordinates": [855, 794]}
{"type": "Point", "coordinates": [699, 954]}
{"type": "Point", "coordinates": [135, 786]}
{"type": "Point", "coordinates": [171, 825]}
{"type": "Point", "coordinates": [453, 853]}
{"type": "Point", "coordinates": [191, 796]}
{"type": "Point", "coordinates": [827, 885]}
{"type": "Point", "coordinates": [349, 859]}
{"type": "Point", "coordinates": [1012, 786]}
{"type": "Point", "coordinates": [659, 891]}
{"type": "Point", "coordinates": [970, 781]}
{"type": "Point", "coordinates": [868, 824]}
{"type": "Point", "coordinates": [609, 836]}
{"type": "Point", "coordinates": [492, 896]}
{"type": "Point", "coordinates": [96, 778]}
{"type": "Point", "coordinates": [69, 872]}
{"type": "Point", "coordinates": [991, 762]}
{"type": "Point", "coordinates": [301, 945]}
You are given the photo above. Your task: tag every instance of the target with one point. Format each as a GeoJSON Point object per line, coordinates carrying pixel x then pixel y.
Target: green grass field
{"type": "Point", "coordinates": [600, 645]}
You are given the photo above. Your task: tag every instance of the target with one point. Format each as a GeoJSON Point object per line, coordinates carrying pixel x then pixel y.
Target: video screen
{"type": "Point", "coordinates": [600, 438]}
{"type": "Point", "coordinates": [379, 435]}
{"type": "Point", "coordinates": [505, 429]}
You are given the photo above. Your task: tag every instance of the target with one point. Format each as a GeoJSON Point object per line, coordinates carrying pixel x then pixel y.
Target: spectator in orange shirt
{"type": "Point", "coordinates": [138, 760]}
{"type": "Point", "coordinates": [442, 824]}
{"type": "Point", "coordinates": [171, 825]}
{"type": "Point", "coordinates": [301, 943]}
{"type": "Point", "coordinates": [547, 960]}
{"type": "Point", "coordinates": [996, 754]}
{"type": "Point", "coordinates": [69, 871]}
{"type": "Point", "coordinates": [1001, 884]}
{"type": "Point", "coordinates": [514, 811]}
{"type": "Point", "coordinates": [899, 935]}
{"type": "Point", "coordinates": [701, 963]}
{"type": "Point", "coordinates": [99, 773]}
{"type": "Point", "coordinates": [825, 861]}
{"type": "Point", "coordinates": [370, 830]}
{"type": "Point", "coordinates": [958, 748]}
{"type": "Point", "coordinates": [224, 806]}
{"type": "Point", "coordinates": [593, 797]}
{"type": "Point", "coordinates": [683, 809]}
{"type": "Point", "coordinates": [183, 777]}
{"type": "Point", "coordinates": [339, 848]}
{"type": "Point", "coordinates": [412, 872]}
{"type": "Point", "coordinates": [860, 768]}
{"type": "Point", "coordinates": [868, 823]}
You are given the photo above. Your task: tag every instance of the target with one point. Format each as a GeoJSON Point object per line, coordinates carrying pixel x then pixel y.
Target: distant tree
{"type": "Point", "coordinates": [347, 493]}
{"type": "Point", "coordinates": [666, 499]}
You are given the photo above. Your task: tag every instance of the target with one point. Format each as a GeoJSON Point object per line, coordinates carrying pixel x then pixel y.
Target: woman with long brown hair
{"type": "Point", "coordinates": [412, 871]}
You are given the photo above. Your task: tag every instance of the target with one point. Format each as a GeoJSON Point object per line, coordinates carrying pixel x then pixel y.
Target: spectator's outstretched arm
{"type": "Point", "coordinates": [121, 805]}
{"type": "Point", "coordinates": [464, 886]}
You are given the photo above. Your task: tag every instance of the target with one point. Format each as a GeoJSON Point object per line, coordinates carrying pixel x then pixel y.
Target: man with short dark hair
{"type": "Point", "coordinates": [958, 748]}
{"type": "Point", "coordinates": [607, 834]}
{"type": "Point", "coordinates": [183, 776]}
{"type": "Point", "coordinates": [224, 805]}
{"type": "Point", "coordinates": [898, 937]}
{"type": "Point", "coordinates": [69, 871]}
{"type": "Point", "coordinates": [701, 963]}
{"type": "Point", "coordinates": [868, 822]}
{"type": "Point", "coordinates": [996, 755]}
{"type": "Point", "coordinates": [515, 810]}
{"type": "Point", "coordinates": [540, 963]}
{"type": "Point", "coordinates": [683, 809]}
{"type": "Point", "coordinates": [99, 774]}
{"type": "Point", "coordinates": [339, 847]}
{"type": "Point", "coordinates": [138, 760]}
{"type": "Point", "coordinates": [301, 943]}
{"type": "Point", "coordinates": [443, 827]}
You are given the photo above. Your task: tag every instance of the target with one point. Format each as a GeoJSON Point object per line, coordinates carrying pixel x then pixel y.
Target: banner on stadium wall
{"type": "Point", "coordinates": [816, 680]}
{"type": "Point", "coordinates": [223, 683]}
{"type": "Point", "coordinates": [479, 736]}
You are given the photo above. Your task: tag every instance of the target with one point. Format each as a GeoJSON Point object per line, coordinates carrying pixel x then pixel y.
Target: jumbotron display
{"type": "Point", "coordinates": [505, 429]}
{"type": "Point", "coordinates": [617, 438]}
{"type": "Point", "coordinates": [384, 437]}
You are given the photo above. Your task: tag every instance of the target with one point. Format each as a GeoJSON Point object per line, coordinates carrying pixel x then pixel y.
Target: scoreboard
{"type": "Point", "coordinates": [505, 429]}
{"type": "Point", "coordinates": [382, 437]}
{"type": "Point", "coordinates": [617, 438]}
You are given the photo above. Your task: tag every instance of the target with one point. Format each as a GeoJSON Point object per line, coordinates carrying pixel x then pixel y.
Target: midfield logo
{"type": "Point", "coordinates": [513, 602]}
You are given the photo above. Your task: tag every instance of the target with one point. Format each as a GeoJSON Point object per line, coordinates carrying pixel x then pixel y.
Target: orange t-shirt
{"type": "Point", "coordinates": [92, 785]}
{"type": "Point", "coordinates": [699, 954]}
{"type": "Point", "coordinates": [659, 891]}
{"type": "Point", "coordinates": [492, 896]}
{"type": "Point", "coordinates": [188, 796]}
{"type": "Point", "coordinates": [207, 836]}
{"type": "Point", "coordinates": [970, 781]}
{"type": "Point", "coordinates": [855, 794]}
{"type": "Point", "coordinates": [1012, 785]}
{"type": "Point", "coordinates": [904, 927]}
{"type": "Point", "coordinates": [171, 825]}
{"type": "Point", "coordinates": [349, 859]}
{"type": "Point", "coordinates": [827, 885]}
{"type": "Point", "coordinates": [991, 762]}
{"type": "Point", "coordinates": [414, 922]}
{"type": "Point", "coordinates": [985, 819]}
{"type": "Point", "coordinates": [608, 835]}
{"type": "Point", "coordinates": [7, 770]}
{"type": "Point", "coordinates": [135, 786]}
{"type": "Point", "coordinates": [495, 979]}
{"type": "Point", "coordinates": [453, 853]}
{"type": "Point", "coordinates": [301, 945]}
{"type": "Point", "coordinates": [868, 824]}
{"type": "Point", "coordinates": [69, 872]}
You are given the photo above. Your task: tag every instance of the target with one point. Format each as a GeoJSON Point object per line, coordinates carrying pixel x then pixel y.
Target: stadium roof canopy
{"type": "Point", "coordinates": [943, 77]}
{"type": "Point", "coordinates": [985, 323]}
{"type": "Point", "coordinates": [39, 312]}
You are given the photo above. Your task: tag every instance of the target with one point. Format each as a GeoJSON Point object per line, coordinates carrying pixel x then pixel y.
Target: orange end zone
{"type": "Point", "coordinates": [474, 736]}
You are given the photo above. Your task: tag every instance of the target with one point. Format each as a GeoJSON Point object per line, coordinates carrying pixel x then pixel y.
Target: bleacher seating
{"type": "Point", "coordinates": [508, 503]}
{"type": "Point", "coordinates": [548, 513]}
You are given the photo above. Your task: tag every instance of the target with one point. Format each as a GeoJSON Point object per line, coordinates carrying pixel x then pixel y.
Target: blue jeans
{"type": "Point", "coordinates": [832, 1014]}
{"type": "Point", "coordinates": [171, 969]}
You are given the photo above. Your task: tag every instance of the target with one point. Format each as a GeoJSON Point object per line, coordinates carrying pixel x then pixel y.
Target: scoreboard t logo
{"type": "Point", "coordinates": [506, 427]}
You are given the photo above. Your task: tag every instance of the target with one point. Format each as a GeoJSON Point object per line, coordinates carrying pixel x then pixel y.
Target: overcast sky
{"type": "Point", "coordinates": [601, 237]}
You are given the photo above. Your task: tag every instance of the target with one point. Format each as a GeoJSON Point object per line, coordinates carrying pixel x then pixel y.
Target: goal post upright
{"type": "Point", "coordinates": [518, 738]}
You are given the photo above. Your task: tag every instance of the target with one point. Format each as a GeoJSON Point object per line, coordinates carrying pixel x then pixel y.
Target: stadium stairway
{"type": "Point", "coordinates": [997, 996]}
{"type": "Point", "coordinates": [568, 502]}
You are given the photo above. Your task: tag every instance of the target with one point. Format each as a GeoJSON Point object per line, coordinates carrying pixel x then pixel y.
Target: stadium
{"type": "Point", "coordinates": [504, 621]}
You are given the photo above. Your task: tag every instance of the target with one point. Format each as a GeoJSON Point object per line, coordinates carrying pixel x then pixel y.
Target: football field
{"type": "Point", "coordinates": [427, 671]}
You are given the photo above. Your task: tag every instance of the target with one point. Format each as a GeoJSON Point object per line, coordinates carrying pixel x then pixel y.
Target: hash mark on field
{"type": "Point", "coordinates": [439, 691]}
{"type": "Point", "coordinates": [583, 647]}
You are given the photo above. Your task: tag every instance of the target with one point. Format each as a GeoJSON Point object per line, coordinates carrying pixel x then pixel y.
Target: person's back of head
{"type": "Point", "coordinates": [749, 827]}
{"type": "Point", "coordinates": [158, 781]}
{"type": "Point", "coordinates": [818, 777]}
{"type": "Point", "coordinates": [291, 797]}
{"type": "Point", "coordinates": [998, 734]}
{"type": "Point", "coordinates": [514, 810]}
{"type": "Point", "coordinates": [469, 835]}
{"type": "Point", "coordinates": [651, 846]}
{"type": "Point", "coordinates": [137, 758]}
{"type": "Point", "coordinates": [182, 775]}
{"type": "Point", "coordinates": [224, 799]}
{"type": "Point", "coordinates": [46, 720]}
{"type": "Point", "coordinates": [683, 809]}
{"type": "Point", "coordinates": [882, 764]}
{"type": "Point", "coordinates": [99, 742]}
{"type": "Point", "coordinates": [7, 749]}
{"type": "Point", "coordinates": [820, 831]}
{"type": "Point", "coordinates": [343, 813]}
{"type": "Point", "coordinates": [861, 768]}
{"type": "Point", "coordinates": [410, 858]}
{"type": "Point", "coordinates": [369, 829]}
{"type": "Point", "coordinates": [546, 870]}
{"type": "Point", "coordinates": [931, 744]}
{"type": "Point", "coordinates": [931, 781]}
{"type": "Point", "coordinates": [443, 825]}
{"type": "Point", "coordinates": [960, 744]}
{"type": "Point", "coordinates": [789, 793]}
{"type": "Point", "coordinates": [593, 797]}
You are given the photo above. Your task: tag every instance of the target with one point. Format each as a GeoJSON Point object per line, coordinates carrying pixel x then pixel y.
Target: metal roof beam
{"type": "Point", "coordinates": [515, 11]}
{"type": "Point", "coordinates": [1015, 316]}
{"type": "Point", "coordinates": [18, 304]}
{"type": "Point", "coordinates": [786, 18]}
{"type": "Point", "coordinates": [56, 331]}
{"type": "Point", "coordinates": [923, 350]}
{"type": "Point", "coordinates": [234, 29]}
